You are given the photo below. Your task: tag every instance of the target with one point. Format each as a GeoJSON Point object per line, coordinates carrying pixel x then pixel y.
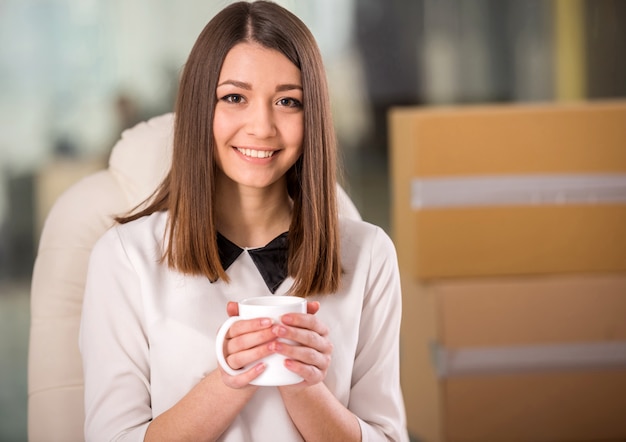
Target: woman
{"type": "Point", "coordinates": [248, 208]}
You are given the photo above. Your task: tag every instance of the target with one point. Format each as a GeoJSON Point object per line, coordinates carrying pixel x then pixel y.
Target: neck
{"type": "Point", "coordinates": [252, 217]}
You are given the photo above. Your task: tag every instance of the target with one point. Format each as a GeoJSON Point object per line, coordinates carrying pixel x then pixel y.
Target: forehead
{"type": "Point", "coordinates": [251, 61]}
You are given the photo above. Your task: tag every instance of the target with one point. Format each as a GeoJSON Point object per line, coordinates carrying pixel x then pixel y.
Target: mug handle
{"type": "Point", "coordinates": [219, 346]}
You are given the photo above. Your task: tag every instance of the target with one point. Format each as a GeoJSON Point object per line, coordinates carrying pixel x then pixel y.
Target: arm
{"type": "Point", "coordinates": [196, 416]}
{"type": "Point", "coordinates": [319, 416]}
{"type": "Point", "coordinates": [114, 342]}
{"type": "Point", "coordinates": [376, 396]}
{"type": "Point", "coordinates": [376, 408]}
{"type": "Point", "coordinates": [114, 347]}
{"type": "Point", "coordinates": [315, 411]}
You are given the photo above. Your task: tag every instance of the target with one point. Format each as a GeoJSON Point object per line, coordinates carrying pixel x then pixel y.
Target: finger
{"type": "Point", "coordinates": [245, 326]}
{"type": "Point", "coordinates": [304, 337]}
{"type": "Point", "coordinates": [312, 307]}
{"type": "Point", "coordinates": [310, 373]}
{"type": "Point", "coordinates": [304, 355]}
{"type": "Point", "coordinates": [244, 358]}
{"type": "Point", "coordinates": [232, 308]}
{"type": "Point", "coordinates": [242, 348]}
{"type": "Point", "coordinates": [242, 380]}
{"type": "Point", "coordinates": [305, 321]}
{"type": "Point", "coordinates": [246, 334]}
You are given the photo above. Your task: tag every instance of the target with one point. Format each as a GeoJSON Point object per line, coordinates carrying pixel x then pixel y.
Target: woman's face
{"type": "Point", "coordinates": [258, 124]}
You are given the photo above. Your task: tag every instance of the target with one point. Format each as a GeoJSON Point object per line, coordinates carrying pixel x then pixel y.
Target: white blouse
{"type": "Point", "coordinates": [148, 334]}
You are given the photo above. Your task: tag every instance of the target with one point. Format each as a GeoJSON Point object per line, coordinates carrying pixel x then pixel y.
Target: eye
{"type": "Point", "coordinates": [289, 102]}
{"type": "Point", "coordinates": [233, 98]}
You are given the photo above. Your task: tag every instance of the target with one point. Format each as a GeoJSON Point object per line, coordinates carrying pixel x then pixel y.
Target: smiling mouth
{"type": "Point", "coordinates": [253, 153]}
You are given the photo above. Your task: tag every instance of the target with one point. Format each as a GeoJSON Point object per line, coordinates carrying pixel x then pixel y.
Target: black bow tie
{"type": "Point", "coordinates": [271, 260]}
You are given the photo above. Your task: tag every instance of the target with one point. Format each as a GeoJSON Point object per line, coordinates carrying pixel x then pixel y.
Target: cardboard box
{"type": "Point", "coordinates": [514, 313]}
{"type": "Point", "coordinates": [530, 310]}
{"type": "Point", "coordinates": [537, 407]}
{"type": "Point", "coordinates": [516, 330]}
{"type": "Point", "coordinates": [510, 224]}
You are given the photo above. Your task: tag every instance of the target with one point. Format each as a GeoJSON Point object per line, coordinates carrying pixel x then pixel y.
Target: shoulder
{"type": "Point", "coordinates": [143, 233]}
{"type": "Point", "coordinates": [368, 258]}
{"type": "Point", "coordinates": [361, 237]}
{"type": "Point", "coordinates": [145, 226]}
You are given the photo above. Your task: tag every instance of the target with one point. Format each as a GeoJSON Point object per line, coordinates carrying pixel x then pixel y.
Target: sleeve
{"type": "Point", "coordinates": [114, 346]}
{"type": "Point", "coordinates": [376, 396]}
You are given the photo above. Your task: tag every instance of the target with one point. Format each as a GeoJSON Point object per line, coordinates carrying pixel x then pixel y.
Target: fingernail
{"type": "Point", "coordinates": [260, 367]}
{"type": "Point", "coordinates": [279, 331]}
{"type": "Point", "coordinates": [266, 322]}
{"type": "Point", "coordinates": [287, 319]}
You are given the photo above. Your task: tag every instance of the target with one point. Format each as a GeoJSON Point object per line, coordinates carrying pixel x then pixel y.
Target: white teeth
{"type": "Point", "coordinates": [256, 153]}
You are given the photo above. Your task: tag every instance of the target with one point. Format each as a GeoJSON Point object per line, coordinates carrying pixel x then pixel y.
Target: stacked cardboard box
{"type": "Point", "coordinates": [510, 225]}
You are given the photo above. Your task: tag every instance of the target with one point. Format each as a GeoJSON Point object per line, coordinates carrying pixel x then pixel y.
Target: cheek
{"type": "Point", "coordinates": [219, 127]}
{"type": "Point", "coordinates": [295, 133]}
{"type": "Point", "coordinates": [225, 125]}
{"type": "Point", "coordinates": [221, 134]}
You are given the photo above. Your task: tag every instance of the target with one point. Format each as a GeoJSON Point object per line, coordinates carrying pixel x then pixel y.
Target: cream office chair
{"type": "Point", "coordinates": [138, 163]}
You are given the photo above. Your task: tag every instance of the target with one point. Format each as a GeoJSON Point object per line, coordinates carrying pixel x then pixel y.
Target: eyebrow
{"type": "Point", "coordinates": [248, 86]}
{"type": "Point", "coordinates": [287, 87]}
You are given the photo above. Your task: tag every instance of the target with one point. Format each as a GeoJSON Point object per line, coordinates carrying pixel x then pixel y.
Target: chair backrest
{"type": "Point", "coordinates": [138, 163]}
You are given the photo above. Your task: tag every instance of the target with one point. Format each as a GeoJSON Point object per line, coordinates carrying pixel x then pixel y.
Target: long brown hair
{"type": "Point", "coordinates": [188, 191]}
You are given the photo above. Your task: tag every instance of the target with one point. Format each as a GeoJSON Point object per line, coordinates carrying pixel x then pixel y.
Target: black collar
{"type": "Point", "coordinates": [270, 260]}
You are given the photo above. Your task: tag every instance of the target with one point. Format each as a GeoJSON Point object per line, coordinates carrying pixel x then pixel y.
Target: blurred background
{"type": "Point", "coordinates": [75, 73]}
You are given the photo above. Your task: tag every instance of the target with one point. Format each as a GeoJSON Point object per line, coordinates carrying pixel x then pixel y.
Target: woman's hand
{"type": "Point", "coordinates": [247, 341]}
{"type": "Point", "coordinates": [311, 357]}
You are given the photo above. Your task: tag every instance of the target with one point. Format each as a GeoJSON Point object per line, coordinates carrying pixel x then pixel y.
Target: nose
{"type": "Point", "coordinates": [260, 121]}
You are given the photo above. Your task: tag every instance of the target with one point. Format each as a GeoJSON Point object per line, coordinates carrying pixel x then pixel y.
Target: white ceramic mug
{"type": "Point", "coordinates": [272, 307]}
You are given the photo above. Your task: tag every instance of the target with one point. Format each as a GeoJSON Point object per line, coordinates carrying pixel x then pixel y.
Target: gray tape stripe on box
{"type": "Point", "coordinates": [528, 358]}
{"type": "Point", "coordinates": [508, 190]}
